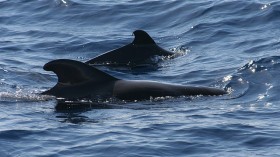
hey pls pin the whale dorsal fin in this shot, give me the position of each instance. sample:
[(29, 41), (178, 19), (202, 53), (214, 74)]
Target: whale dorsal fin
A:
[(72, 72), (142, 37)]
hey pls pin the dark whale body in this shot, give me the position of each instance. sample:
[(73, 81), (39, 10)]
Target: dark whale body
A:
[(140, 50), (78, 80)]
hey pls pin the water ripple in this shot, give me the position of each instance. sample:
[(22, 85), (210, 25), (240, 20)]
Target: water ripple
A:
[(225, 44)]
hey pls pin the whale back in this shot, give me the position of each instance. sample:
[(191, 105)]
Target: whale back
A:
[(142, 48), (78, 80)]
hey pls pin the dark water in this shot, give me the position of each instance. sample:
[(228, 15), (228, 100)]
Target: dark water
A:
[(225, 44)]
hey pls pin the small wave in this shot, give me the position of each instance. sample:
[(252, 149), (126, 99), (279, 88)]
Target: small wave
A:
[(267, 63), (255, 79), (178, 51), (65, 3), (236, 86), (261, 141), (82, 105), (23, 97)]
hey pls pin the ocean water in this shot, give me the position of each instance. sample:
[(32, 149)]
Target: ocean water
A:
[(225, 44)]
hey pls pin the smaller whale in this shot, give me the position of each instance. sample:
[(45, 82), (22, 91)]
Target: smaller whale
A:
[(140, 50), (77, 80)]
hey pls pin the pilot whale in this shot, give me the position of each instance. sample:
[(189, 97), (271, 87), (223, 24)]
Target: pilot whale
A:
[(140, 50), (78, 80)]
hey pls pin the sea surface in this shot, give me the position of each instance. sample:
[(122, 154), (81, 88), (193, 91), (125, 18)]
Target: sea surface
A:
[(229, 44)]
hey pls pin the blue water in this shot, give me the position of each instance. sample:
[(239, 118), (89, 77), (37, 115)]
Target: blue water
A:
[(225, 44)]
